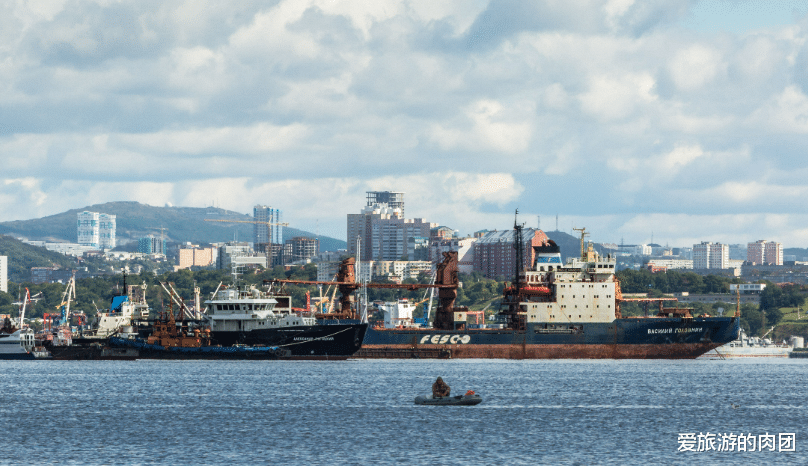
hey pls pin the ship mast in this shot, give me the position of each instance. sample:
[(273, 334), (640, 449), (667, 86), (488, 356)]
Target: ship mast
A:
[(520, 251), (584, 234)]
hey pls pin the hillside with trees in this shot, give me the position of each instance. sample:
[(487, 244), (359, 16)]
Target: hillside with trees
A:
[(135, 220)]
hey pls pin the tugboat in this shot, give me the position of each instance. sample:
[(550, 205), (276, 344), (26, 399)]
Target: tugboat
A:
[(246, 315)]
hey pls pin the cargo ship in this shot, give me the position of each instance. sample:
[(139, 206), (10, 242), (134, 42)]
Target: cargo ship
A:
[(552, 310)]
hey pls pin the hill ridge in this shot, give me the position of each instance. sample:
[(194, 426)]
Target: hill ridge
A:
[(135, 220)]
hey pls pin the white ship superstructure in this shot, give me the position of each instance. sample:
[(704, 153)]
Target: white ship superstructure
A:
[(244, 309), (398, 314), (121, 314), (578, 291), (20, 344)]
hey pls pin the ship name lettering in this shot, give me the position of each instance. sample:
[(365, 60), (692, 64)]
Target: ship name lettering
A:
[(444, 339), (654, 331)]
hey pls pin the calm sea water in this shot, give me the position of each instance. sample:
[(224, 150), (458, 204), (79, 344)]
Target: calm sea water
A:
[(362, 411)]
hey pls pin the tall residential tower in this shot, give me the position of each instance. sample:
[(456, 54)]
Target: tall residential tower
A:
[(96, 230)]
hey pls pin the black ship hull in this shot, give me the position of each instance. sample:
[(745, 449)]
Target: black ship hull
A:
[(314, 341)]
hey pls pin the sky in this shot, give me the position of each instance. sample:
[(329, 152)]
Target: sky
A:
[(665, 121)]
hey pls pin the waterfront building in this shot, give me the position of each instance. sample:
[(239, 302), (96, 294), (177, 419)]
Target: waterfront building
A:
[(764, 252)]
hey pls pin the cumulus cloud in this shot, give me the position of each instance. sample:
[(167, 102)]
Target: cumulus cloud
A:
[(614, 113)]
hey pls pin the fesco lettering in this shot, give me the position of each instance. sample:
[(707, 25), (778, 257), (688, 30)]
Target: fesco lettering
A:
[(445, 339)]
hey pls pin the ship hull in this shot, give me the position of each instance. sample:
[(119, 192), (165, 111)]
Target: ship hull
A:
[(749, 352), (11, 347), (16, 356), (658, 338), (316, 341)]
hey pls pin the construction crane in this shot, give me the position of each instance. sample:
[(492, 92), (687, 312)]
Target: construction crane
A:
[(68, 295)]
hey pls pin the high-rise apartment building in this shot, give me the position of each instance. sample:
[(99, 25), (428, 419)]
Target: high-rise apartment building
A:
[(96, 230), (394, 200), (4, 274), (361, 226), (301, 248), (268, 231), (707, 255), (764, 252), (151, 245), (382, 228)]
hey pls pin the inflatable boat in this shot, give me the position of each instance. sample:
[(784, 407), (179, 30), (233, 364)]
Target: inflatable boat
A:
[(458, 400)]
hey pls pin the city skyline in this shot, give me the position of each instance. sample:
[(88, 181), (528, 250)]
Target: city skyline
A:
[(681, 121)]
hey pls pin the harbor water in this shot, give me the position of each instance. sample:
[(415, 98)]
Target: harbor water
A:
[(362, 412)]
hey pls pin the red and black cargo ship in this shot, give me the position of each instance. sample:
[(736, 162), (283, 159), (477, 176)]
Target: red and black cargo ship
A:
[(553, 310)]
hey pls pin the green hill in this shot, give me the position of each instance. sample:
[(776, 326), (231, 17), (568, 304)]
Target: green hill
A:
[(135, 220), (23, 256)]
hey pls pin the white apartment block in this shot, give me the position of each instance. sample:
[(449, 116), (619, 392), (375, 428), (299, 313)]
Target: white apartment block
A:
[(748, 288), (4, 274), (707, 255), (671, 263), (764, 252), (96, 230)]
